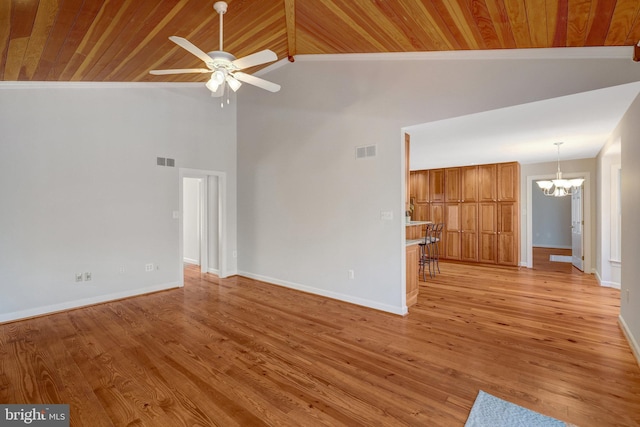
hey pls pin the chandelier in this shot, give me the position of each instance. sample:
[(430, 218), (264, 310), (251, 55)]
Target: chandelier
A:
[(559, 187)]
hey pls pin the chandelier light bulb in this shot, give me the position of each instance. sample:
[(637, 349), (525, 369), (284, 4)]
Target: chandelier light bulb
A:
[(559, 187)]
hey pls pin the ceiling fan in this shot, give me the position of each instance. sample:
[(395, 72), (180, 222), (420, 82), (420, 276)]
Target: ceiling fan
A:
[(223, 66)]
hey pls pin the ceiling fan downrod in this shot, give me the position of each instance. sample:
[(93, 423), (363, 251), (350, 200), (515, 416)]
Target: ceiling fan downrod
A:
[(221, 8)]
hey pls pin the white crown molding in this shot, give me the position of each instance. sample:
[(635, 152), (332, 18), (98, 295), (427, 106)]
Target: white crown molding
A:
[(591, 52)]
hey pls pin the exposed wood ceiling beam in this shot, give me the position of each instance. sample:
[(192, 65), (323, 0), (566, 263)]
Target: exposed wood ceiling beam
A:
[(290, 18)]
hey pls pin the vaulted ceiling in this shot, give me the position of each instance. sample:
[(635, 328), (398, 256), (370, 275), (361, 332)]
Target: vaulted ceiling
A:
[(121, 40)]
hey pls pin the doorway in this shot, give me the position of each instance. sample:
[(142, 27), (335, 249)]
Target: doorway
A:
[(202, 234), (192, 238), (562, 228)]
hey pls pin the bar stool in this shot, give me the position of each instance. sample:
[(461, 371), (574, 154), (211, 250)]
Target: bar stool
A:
[(428, 252)]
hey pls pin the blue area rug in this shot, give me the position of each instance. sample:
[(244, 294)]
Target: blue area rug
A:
[(490, 411)]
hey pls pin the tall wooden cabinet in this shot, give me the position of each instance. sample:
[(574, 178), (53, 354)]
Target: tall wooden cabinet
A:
[(479, 206)]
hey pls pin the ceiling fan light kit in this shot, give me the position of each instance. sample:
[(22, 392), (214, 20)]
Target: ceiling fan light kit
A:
[(559, 187), (223, 66)]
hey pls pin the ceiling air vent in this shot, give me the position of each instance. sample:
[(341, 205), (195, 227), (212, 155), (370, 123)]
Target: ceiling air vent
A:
[(365, 151)]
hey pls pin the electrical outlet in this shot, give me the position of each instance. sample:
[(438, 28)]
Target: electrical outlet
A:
[(352, 274), (79, 277), (148, 267), (121, 269), (87, 276), (235, 254)]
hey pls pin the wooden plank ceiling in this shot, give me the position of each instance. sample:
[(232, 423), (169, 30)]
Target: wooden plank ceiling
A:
[(121, 40)]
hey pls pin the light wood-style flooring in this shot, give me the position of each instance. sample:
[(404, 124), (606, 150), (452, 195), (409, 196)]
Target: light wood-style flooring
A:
[(541, 260), (238, 352)]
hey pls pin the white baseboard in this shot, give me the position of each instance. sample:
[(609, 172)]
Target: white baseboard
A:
[(605, 283), (191, 261), (635, 348), (69, 305), (214, 271), (333, 295)]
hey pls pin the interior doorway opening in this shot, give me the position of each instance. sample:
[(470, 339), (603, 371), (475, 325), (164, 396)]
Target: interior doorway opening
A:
[(558, 229), (202, 233)]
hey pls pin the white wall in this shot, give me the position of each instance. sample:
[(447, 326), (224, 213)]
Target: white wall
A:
[(214, 220), (309, 211), (551, 220), (608, 269), (81, 191), (629, 131), (191, 220)]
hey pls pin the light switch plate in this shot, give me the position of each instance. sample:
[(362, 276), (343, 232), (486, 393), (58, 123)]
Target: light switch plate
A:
[(386, 215)]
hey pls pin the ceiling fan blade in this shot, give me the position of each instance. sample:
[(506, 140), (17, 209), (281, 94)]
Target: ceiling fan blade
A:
[(180, 71), (257, 81), (254, 59), (187, 45)]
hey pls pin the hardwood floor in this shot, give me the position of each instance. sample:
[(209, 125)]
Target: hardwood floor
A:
[(241, 352), (541, 260)]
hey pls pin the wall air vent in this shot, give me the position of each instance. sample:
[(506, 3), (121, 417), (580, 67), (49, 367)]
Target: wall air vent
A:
[(365, 151)]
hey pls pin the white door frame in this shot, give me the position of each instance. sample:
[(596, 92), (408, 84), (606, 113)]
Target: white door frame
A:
[(577, 229), (206, 225), (586, 235)]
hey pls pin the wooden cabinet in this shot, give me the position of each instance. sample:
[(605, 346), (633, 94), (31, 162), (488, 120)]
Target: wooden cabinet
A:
[(436, 185), (469, 232), (461, 231), (508, 182), (488, 233), (508, 232), (420, 186), (479, 206), (487, 183), (452, 185), (437, 217), (413, 257), (420, 211), (451, 231), (469, 184)]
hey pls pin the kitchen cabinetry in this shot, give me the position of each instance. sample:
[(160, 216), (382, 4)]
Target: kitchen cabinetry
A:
[(488, 233), (413, 257), (487, 180), (452, 231), (436, 185), (461, 231), (508, 182), (508, 230), (420, 186), (469, 232), (469, 183), (452, 185), (479, 206)]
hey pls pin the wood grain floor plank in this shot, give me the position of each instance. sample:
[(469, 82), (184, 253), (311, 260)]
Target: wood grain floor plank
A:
[(238, 352)]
